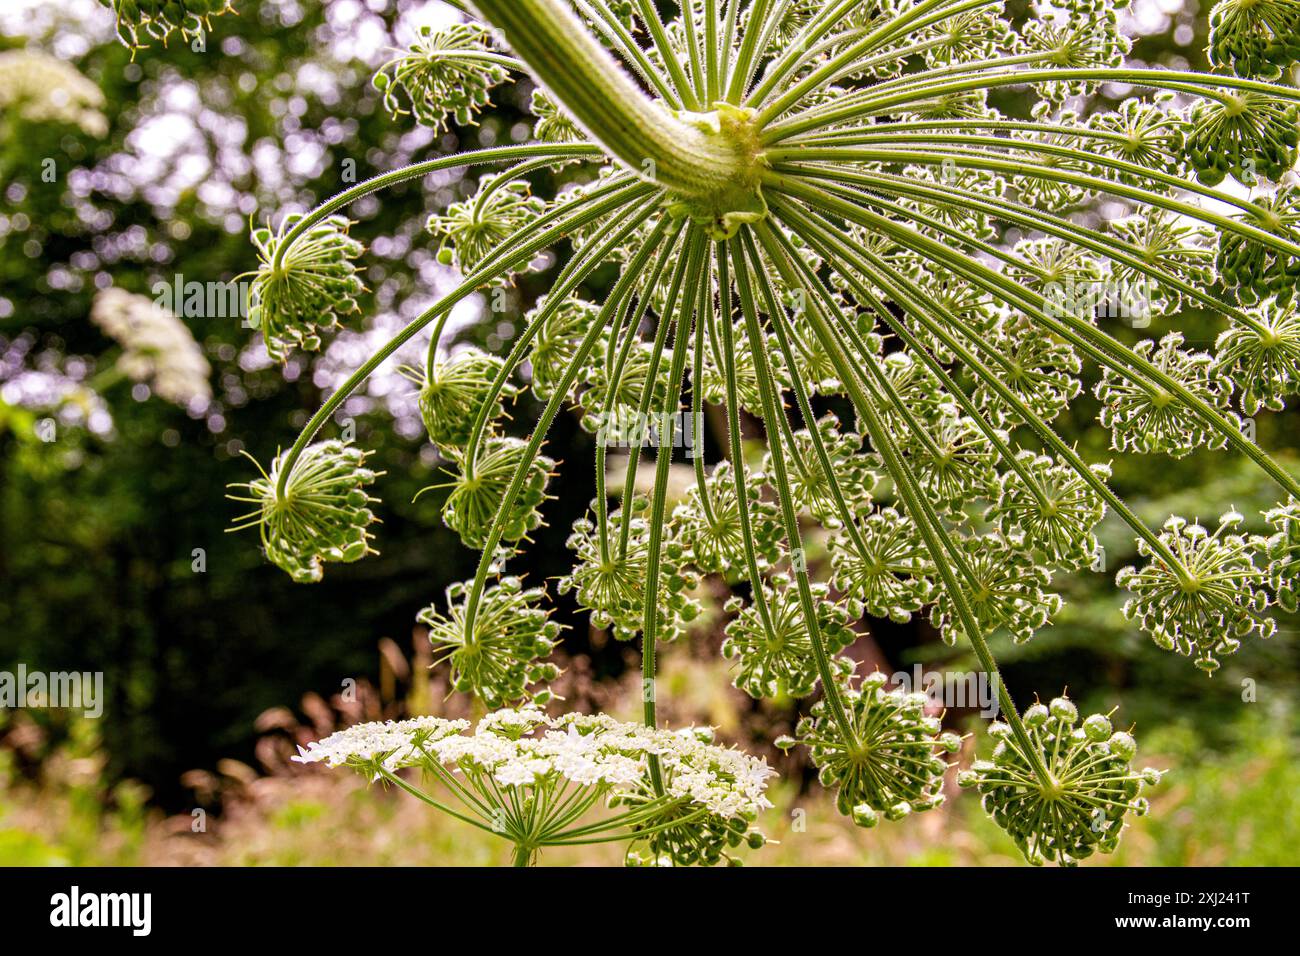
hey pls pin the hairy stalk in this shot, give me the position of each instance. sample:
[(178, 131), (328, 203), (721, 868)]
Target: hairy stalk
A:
[(500, 154), (1099, 346), (1054, 226), (772, 414), (599, 95), (821, 238), (927, 521), (442, 308), (695, 246), (553, 407), (854, 107)]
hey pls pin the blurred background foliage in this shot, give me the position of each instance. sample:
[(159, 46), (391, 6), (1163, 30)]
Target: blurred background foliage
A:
[(114, 555)]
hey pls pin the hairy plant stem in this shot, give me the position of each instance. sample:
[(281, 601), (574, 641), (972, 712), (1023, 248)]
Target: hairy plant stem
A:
[(1020, 167), (822, 239), (614, 375), (1101, 243), (695, 247), (871, 103), (581, 75), (500, 154), (1096, 344), (646, 398), (513, 255), (780, 252), (772, 414), (487, 558)]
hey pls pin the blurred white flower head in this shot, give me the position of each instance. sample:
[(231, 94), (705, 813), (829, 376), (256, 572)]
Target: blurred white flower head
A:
[(157, 347), (42, 89)]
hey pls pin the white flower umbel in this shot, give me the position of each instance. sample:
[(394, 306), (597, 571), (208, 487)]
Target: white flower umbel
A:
[(157, 347), (38, 88), (533, 779)]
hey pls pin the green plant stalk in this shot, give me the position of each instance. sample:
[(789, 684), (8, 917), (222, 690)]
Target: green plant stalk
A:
[(562, 54), (650, 17), (440, 309), (735, 449), (664, 455), (614, 371), (801, 151), (748, 48), (928, 523), (794, 54), (646, 397), (815, 231), (618, 37), (486, 559), (702, 308), (1200, 84), (914, 19), (1019, 167), (586, 260), (804, 403), (1100, 243), (771, 414), (821, 239), (500, 154), (1100, 347)]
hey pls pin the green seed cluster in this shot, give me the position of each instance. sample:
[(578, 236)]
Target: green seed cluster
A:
[(1244, 135), (553, 124), (711, 537), (471, 230), (556, 346), (139, 21), (772, 644), (1147, 419), (891, 765), (322, 515), (1008, 591), (1203, 609), (453, 394), (501, 656), (853, 472), (1055, 509), (442, 74), (610, 579), (1283, 551), (1080, 809), (890, 571), (315, 282), (685, 836), (1256, 38), (1254, 271), (612, 406), (1263, 359), (479, 487)]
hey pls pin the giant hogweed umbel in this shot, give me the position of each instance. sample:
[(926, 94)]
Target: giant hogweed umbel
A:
[(804, 198)]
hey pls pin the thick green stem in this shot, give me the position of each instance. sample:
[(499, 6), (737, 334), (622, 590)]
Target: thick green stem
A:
[(584, 78)]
